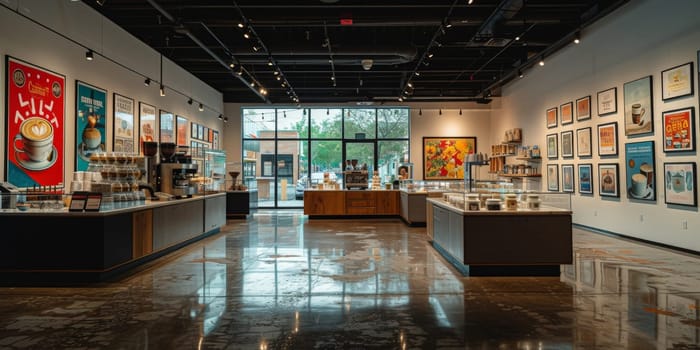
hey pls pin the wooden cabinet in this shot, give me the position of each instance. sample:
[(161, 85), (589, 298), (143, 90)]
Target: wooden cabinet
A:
[(324, 202), (360, 203), (387, 203)]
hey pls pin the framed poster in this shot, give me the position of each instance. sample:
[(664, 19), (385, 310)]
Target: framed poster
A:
[(607, 139), (552, 177), (567, 113), (193, 130), (90, 122), (200, 131), (609, 180), (34, 122), (211, 135), (567, 144), (123, 124), (443, 157), (567, 177), (677, 81), (639, 160), (639, 110), (583, 108), (583, 142), (167, 127), (552, 146), (181, 130), (585, 179), (680, 183), (679, 129), (206, 134), (215, 140), (607, 101), (552, 117), (147, 124)]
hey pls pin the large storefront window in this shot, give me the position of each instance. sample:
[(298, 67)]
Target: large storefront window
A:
[(286, 150)]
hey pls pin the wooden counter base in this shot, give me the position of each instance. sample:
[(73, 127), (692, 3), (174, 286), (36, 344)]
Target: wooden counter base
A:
[(356, 203)]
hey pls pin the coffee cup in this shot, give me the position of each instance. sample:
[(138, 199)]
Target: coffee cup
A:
[(678, 182), (35, 139), (648, 171), (639, 184), (92, 138), (637, 113)]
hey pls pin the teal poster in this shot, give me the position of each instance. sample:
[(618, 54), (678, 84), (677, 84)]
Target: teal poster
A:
[(90, 123), (641, 178)]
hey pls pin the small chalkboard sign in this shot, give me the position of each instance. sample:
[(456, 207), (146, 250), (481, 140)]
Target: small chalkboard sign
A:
[(94, 199), (78, 200)]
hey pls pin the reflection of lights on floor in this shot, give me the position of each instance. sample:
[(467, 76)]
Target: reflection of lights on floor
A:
[(402, 340), (263, 344)]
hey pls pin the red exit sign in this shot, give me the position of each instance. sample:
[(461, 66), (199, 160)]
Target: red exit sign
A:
[(346, 21)]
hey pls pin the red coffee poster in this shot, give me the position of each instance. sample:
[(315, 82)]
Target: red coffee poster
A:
[(34, 118)]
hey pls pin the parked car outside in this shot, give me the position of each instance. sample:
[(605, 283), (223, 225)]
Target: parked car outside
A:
[(316, 178)]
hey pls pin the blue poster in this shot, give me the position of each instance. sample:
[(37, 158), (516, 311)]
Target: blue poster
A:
[(584, 178), (640, 169), (90, 123)]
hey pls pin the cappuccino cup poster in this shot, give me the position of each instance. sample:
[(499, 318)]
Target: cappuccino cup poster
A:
[(90, 123), (639, 112), (639, 161), (34, 122)]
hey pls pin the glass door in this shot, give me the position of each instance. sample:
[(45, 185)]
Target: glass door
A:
[(361, 156)]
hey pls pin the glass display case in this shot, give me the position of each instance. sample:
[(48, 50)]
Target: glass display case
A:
[(507, 198), (212, 177)]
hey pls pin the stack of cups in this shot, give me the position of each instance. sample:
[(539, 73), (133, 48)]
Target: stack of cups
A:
[(82, 180)]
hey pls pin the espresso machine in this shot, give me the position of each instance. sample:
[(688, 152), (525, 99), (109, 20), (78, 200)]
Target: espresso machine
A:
[(175, 172)]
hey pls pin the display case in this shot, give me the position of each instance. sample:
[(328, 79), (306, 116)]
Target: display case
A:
[(212, 177)]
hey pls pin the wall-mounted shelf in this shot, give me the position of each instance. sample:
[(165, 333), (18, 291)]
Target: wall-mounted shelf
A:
[(527, 159), (519, 175)]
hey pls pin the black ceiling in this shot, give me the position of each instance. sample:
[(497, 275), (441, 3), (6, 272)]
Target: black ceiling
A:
[(437, 50)]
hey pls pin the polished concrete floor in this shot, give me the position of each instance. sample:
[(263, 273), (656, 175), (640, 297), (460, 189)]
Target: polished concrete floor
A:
[(280, 281)]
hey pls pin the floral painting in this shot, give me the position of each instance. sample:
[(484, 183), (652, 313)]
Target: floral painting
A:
[(443, 157)]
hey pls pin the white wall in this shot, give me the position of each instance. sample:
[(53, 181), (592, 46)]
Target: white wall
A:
[(474, 121), (641, 38), (120, 65)]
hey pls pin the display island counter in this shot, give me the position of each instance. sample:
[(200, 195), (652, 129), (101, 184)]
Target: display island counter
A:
[(59, 247), (523, 242), (338, 203)]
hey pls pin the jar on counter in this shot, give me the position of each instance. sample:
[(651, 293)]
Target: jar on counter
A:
[(511, 201), (533, 201), (493, 204)]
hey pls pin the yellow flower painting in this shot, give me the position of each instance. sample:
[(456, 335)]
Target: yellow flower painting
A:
[(443, 158)]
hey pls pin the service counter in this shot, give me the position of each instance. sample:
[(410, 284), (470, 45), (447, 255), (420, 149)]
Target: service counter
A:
[(49, 247), (503, 242), (335, 203)]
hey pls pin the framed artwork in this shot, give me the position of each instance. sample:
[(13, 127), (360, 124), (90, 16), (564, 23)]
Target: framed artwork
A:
[(639, 110), (123, 124), (567, 113), (639, 160), (167, 127), (34, 122), (607, 139), (552, 177), (443, 156), (181, 130), (585, 179), (211, 135), (583, 142), (90, 122), (567, 144), (552, 117), (677, 81), (609, 180), (193, 131), (607, 101), (679, 129), (680, 183), (567, 177), (205, 136), (200, 132), (552, 146), (583, 108), (147, 124), (215, 140)]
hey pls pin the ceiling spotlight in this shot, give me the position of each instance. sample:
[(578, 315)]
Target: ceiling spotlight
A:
[(225, 119), (201, 107), (541, 62), (269, 61), (448, 24), (278, 78), (517, 38), (520, 73), (276, 72), (420, 111), (469, 2), (232, 64), (577, 38), (241, 25), (400, 99), (100, 2), (147, 82), (410, 84), (417, 73), (89, 55), (430, 55), (240, 70), (246, 34), (440, 111), (162, 90), (189, 102), (460, 111), (256, 48), (221, 117)]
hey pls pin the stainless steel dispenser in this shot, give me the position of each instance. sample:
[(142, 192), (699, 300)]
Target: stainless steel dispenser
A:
[(175, 179)]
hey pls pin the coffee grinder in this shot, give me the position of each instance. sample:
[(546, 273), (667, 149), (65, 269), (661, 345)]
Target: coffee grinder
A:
[(150, 152)]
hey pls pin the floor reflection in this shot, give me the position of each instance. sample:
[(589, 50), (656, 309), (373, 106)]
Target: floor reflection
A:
[(280, 281)]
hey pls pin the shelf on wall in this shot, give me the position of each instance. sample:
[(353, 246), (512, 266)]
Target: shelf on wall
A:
[(519, 175), (529, 159)]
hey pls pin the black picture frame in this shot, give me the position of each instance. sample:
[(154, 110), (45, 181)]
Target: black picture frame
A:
[(639, 106), (607, 139), (552, 117), (680, 183), (679, 130), (552, 146), (584, 147), (607, 101), (583, 108), (609, 180), (566, 112), (567, 144), (677, 82), (553, 177), (567, 178), (585, 178)]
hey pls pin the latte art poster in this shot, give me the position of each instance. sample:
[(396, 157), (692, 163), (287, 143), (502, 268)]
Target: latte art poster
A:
[(34, 125), (90, 108)]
